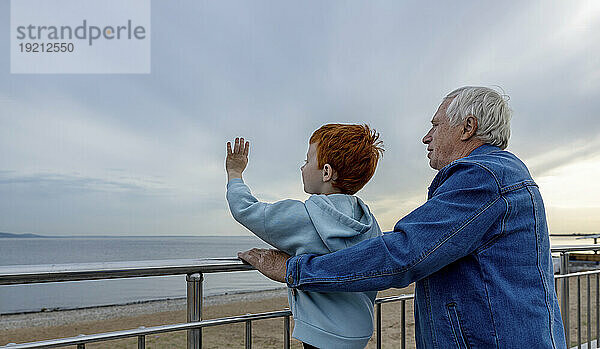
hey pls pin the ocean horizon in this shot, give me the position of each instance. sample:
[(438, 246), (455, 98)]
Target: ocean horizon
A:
[(86, 249)]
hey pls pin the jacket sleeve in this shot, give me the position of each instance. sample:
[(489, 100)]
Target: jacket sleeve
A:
[(451, 224), (284, 225)]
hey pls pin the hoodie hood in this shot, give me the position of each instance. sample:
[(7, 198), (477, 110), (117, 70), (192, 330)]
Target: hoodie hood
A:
[(340, 219)]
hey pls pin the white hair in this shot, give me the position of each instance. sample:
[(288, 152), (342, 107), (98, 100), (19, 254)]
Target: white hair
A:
[(488, 106)]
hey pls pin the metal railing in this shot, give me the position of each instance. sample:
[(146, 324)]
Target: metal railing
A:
[(195, 268), (565, 311), (564, 293), (378, 302)]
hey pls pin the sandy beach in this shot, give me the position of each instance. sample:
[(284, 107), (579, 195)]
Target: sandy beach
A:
[(266, 333), (21, 328)]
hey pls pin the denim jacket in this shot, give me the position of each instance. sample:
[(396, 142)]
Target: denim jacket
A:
[(478, 250)]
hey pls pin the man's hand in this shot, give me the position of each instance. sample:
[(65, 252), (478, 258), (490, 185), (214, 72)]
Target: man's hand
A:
[(270, 263), (237, 159)]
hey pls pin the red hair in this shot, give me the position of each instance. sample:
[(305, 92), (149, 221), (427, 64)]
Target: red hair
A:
[(352, 151)]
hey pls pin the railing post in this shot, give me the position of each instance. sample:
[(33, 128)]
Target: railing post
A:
[(286, 332), (597, 310), (248, 341), (194, 308), (578, 311), (403, 323), (564, 295), (589, 312), (378, 322)]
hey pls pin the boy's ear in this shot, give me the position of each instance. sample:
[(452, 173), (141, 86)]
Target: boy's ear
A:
[(329, 173)]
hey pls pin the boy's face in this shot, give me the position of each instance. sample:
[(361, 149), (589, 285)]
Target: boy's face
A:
[(312, 176)]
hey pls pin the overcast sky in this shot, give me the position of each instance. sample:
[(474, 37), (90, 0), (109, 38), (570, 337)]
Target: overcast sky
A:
[(144, 154)]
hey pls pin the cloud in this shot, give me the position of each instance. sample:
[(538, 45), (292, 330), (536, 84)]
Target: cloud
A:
[(74, 204), (572, 185), (55, 183), (575, 152), (274, 72)]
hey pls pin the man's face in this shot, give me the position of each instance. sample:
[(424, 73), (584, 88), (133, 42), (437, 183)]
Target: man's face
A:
[(443, 139)]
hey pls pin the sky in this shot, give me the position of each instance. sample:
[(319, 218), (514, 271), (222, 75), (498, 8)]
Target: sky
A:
[(132, 154)]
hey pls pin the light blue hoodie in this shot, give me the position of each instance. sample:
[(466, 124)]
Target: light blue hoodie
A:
[(322, 224)]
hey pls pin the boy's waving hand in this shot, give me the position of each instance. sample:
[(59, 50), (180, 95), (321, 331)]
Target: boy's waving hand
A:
[(237, 159)]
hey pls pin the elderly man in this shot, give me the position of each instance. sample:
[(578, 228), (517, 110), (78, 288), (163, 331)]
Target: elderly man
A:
[(478, 249)]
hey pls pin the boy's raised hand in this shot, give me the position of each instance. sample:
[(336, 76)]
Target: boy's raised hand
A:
[(237, 158)]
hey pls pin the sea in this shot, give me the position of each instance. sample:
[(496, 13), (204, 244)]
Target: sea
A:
[(83, 294)]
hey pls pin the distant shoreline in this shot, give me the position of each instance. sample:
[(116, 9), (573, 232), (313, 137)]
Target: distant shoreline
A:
[(24, 235)]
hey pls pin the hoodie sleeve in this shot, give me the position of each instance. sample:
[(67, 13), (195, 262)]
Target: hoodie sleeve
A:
[(284, 225)]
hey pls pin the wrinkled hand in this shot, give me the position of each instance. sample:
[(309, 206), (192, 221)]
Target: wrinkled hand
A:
[(270, 263), (237, 159)]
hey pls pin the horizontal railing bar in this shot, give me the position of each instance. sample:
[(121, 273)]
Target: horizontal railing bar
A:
[(574, 248), (27, 274), (394, 298), (82, 339), (581, 273)]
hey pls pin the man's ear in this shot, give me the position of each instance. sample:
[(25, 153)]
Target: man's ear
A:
[(329, 173), (469, 128)]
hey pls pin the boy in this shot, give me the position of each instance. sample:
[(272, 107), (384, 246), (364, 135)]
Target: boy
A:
[(341, 159)]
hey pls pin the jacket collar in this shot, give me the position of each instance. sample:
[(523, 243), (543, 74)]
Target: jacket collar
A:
[(484, 149), (481, 150)]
